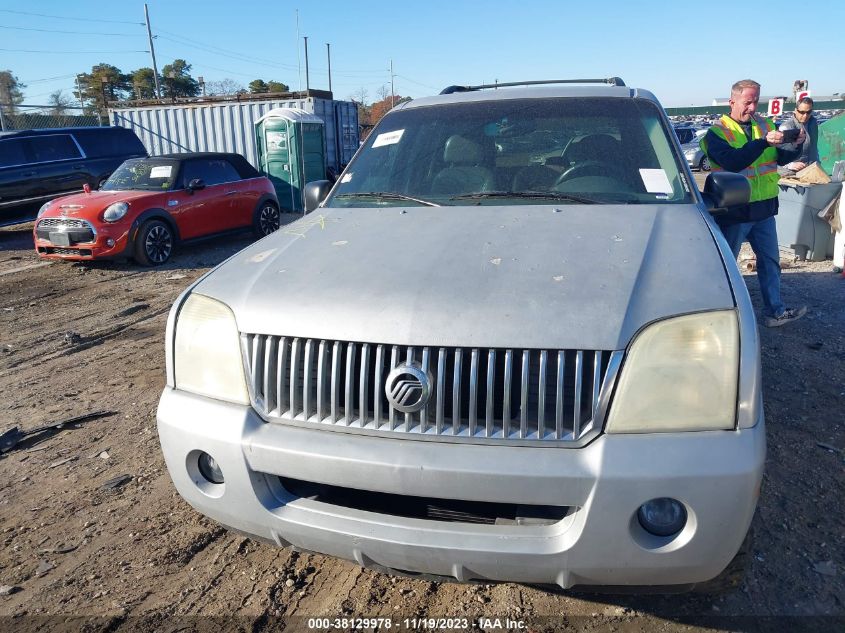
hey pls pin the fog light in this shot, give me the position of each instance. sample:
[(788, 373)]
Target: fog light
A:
[(662, 517), (110, 242), (209, 468)]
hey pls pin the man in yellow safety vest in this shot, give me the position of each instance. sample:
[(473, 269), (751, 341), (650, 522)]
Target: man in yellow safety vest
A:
[(746, 143)]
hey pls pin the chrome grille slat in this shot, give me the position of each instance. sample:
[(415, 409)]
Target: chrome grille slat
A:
[(473, 392), (541, 396), (426, 360), (489, 422), (364, 381), (441, 391), (294, 377), (506, 399), (349, 373), (321, 381), (523, 407), (391, 412), (335, 385), (456, 394), (378, 386), (516, 396), (306, 379), (579, 375)]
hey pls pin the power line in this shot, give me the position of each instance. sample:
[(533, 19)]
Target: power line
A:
[(23, 50), (22, 28), (234, 58), (65, 17), (38, 81), (211, 47)]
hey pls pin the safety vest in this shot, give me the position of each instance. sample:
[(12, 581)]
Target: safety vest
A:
[(763, 172)]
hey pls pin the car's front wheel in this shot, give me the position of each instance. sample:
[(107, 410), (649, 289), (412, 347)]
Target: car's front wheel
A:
[(704, 164), (153, 243), (266, 220)]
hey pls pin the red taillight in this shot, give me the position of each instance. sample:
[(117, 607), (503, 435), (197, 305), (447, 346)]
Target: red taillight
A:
[(86, 188)]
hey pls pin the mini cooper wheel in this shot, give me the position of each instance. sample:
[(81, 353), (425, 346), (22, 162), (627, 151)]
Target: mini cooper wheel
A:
[(704, 164), (153, 243), (267, 219)]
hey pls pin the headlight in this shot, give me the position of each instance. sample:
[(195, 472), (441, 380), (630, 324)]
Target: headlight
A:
[(680, 374), (206, 352), (115, 211), (690, 153), (43, 209)]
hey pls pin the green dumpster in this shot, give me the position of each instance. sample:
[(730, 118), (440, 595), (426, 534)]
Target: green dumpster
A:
[(291, 152)]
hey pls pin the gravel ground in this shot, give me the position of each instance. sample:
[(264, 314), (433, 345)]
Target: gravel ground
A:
[(93, 535)]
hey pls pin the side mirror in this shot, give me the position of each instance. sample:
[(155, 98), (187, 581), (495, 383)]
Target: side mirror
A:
[(725, 189), (195, 185), (315, 192)]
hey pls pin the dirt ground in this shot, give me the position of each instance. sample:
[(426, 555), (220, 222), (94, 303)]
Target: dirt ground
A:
[(81, 549)]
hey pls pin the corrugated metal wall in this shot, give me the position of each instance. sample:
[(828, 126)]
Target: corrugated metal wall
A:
[(230, 126)]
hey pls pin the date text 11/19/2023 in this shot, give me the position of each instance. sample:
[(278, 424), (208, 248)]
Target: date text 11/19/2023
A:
[(414, 624)]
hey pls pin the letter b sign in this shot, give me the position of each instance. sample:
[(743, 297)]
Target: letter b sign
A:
[(776, 107)]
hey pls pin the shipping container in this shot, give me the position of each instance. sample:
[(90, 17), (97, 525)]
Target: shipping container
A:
[(228, 125)]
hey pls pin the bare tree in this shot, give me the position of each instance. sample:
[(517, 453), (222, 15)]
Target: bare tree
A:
[(59, 103), (360, 96), (383, 92), (224, 87)]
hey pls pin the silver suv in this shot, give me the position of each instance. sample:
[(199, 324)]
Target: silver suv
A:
[(509, 344)]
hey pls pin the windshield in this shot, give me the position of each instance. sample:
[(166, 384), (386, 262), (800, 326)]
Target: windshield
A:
[(144, 174), (517, 151)]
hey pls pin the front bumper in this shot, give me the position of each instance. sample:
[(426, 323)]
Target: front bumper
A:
[(99, 248), (715, 474)]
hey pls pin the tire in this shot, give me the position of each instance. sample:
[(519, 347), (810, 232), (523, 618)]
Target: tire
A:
[(153, 243), (704, 164), (733, 575), (266, 220)]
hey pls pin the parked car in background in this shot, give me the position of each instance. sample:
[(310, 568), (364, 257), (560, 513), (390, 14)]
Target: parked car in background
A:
[(484, 362), (38, 165), (148, 205), (696, 158)]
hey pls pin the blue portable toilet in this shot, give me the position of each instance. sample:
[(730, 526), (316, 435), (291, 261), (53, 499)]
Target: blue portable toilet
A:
[(291, 152)]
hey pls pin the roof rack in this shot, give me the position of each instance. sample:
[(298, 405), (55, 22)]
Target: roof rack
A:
[(613, 81)]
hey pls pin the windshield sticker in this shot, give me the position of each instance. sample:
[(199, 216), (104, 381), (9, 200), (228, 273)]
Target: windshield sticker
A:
[(388, 138), (346, 178), (161, 171), (655, 181)]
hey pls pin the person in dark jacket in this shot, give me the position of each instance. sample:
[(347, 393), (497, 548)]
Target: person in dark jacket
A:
[(808, 151), (746, 143)]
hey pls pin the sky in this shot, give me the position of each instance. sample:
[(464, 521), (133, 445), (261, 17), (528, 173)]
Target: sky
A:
[(686, 53)]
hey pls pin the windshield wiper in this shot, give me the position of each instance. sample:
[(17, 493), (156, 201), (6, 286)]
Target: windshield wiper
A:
[(386, 195), (548, 195)]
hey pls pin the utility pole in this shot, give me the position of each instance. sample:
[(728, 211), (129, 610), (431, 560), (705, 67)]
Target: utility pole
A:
[(392, 94), (152, 51), (307, 81), (298, 54), (329, 54), (79, 92)]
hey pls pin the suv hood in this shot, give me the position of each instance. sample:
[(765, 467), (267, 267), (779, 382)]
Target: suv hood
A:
[(572, 276)]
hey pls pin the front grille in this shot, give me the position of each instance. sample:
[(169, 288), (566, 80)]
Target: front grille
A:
[(70, 223), (487, 395), (78, 231), (52, 250)]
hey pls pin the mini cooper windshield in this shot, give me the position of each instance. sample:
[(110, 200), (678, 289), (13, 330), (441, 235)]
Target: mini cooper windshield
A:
[(143, 174), (517, 151)]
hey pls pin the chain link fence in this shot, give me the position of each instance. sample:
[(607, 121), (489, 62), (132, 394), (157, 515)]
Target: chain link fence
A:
[(30, 117)]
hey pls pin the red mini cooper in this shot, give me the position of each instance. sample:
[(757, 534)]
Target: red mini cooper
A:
[(149, 205)]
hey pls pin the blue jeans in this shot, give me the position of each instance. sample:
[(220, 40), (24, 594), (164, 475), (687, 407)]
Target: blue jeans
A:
[(763, 237)]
